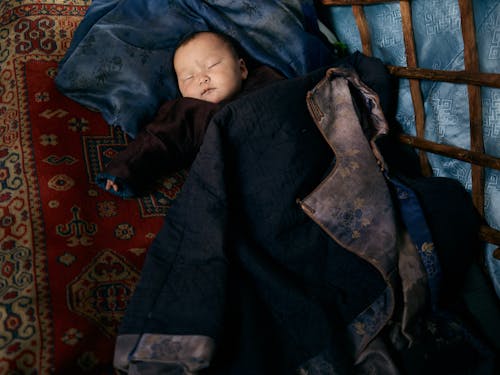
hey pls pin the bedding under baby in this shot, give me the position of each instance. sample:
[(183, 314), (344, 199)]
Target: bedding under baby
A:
[(119, 61)]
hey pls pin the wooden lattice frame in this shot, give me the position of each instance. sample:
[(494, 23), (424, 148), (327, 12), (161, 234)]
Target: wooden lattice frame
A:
[(471, 76)]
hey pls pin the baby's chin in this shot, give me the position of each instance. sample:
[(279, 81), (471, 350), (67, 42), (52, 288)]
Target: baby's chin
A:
[(214, 100), (213, 97)]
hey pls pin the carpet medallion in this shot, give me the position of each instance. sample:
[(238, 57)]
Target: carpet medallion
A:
[(70, 253)]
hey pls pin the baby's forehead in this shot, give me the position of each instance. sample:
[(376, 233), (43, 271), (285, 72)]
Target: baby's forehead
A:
[(207, 39)]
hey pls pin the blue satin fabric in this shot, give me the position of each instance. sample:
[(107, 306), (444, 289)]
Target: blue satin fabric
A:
[(439, 44), (414, 219), (119, 62)]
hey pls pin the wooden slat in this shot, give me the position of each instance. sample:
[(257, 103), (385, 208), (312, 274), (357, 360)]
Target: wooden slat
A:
[(471, 64), (473, 157), (416, 93), (489, 234), (364, 30), (453, 76)]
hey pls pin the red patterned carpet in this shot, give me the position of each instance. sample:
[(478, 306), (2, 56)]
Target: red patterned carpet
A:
[(70, 253)]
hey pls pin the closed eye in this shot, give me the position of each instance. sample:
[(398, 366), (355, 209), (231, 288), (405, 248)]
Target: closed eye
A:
[(215, 64), (187, 78)]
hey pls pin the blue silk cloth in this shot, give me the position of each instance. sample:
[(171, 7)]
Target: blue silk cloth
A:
[(119, 62)]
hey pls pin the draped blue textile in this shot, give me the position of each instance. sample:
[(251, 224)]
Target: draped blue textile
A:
[(439, 45), (415, 222), (450, 326), (119, 62)]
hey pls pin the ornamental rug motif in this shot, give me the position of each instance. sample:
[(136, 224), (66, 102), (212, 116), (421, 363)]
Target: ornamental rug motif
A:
[(70, 253)]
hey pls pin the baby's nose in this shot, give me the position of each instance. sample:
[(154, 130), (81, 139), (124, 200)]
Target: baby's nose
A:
[(204, 79)]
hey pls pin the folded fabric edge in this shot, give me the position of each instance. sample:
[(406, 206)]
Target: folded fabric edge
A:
[(191, 352)]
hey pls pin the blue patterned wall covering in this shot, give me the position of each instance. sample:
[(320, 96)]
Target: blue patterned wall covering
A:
[(439, 44)]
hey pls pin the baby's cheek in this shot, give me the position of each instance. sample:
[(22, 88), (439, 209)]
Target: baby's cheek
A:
[(184, 90)]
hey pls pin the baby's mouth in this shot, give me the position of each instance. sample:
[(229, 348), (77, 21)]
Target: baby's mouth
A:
[(207, 91)]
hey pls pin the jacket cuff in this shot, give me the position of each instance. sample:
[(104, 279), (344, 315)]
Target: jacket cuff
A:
[(124, 190)]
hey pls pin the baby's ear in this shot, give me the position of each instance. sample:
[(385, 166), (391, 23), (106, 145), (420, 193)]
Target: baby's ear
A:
[(243, 69)]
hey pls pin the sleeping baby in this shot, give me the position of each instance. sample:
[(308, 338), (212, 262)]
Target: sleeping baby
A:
[(210, 72)]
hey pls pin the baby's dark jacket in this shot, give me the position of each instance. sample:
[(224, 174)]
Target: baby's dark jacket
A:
[(171, 141)]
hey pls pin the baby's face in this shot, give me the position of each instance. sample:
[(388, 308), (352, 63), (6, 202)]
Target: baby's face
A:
[(207, 69)]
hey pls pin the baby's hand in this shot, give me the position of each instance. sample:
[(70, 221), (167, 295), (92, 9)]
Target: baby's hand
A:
[(111, 184)]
